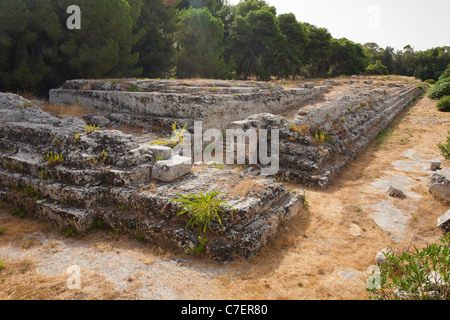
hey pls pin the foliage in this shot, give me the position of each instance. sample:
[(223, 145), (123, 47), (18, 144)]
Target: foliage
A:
[(445, 148), (184, 38), (377, 69), (203, 209), (444, 104), (199, 40), (53, 159), (440, 89), (430, 81), (18, 212), (2, 230), (91, 128), (420, 275)]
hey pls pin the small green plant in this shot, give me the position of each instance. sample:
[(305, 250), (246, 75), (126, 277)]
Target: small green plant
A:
[(201, 247), (18, 212), (420, 275), (68, 232), (444, 104), (1, 265), (104, 157), (159, 158), (25, 105), (383, 136), (122, 208), (76, 137), (44, 175), (54, 159), (203, 209), (445, 148), (133, 88), (114, 234), (430, 81), (2, 230), (306, 203), (358, 209), (98, 224), (31, 192), (91, 128), (13, 166)]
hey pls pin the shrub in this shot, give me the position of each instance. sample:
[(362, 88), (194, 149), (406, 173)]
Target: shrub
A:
[(440, 89), (420, 275), (203, 209), (444, 104), (446, 73), (377, 69), (445, 148), (430, 81)]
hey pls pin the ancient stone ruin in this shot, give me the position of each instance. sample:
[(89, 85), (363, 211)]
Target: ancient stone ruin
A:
[(74, 173)]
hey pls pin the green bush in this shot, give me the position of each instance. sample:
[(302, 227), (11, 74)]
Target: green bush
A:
[(202, 208), (446, 73), (430, 81), (445, 148), (444, 104), (440, 89), (420, 275)]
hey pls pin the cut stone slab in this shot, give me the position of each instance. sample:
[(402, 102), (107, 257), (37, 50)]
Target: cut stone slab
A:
[(390, 219), (435, 166), (444, 222), (172, 169), (161, 152), (439, 184), (396, 193), (397, 181)]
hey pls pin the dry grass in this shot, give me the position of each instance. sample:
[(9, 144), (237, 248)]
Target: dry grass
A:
[(75, 110), (303, 262), (244, 187)]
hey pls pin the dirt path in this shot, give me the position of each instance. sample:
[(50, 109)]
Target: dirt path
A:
[(324, 254)]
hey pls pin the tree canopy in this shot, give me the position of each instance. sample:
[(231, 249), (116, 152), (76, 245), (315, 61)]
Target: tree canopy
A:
[(184, 38)]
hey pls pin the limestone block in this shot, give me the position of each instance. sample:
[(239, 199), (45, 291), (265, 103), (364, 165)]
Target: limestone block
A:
[(160, 152), (444, 222), (439, 184)]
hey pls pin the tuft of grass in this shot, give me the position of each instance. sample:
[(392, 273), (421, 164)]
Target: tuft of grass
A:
[(53, 159), (2, 230), (68, 232), (18, 212), (445, 148), (91, 128), (383, 136)]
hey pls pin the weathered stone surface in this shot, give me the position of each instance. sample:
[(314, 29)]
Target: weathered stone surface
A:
[(216, 103), (444, 222), (381, 256), (439, 184), (161, 152), (118, 188), (172, 169), (435, 166), (323, 138), (396, 193)]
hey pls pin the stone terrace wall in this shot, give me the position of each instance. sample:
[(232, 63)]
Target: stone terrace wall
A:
[(117, 187), (216, 103), (349, 118)]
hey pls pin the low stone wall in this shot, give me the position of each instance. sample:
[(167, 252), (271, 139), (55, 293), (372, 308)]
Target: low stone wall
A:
[(54, 169), (323, 138), (216, 103)]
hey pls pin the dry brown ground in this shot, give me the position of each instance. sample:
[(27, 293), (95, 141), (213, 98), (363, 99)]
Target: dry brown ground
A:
[(306, 261)]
